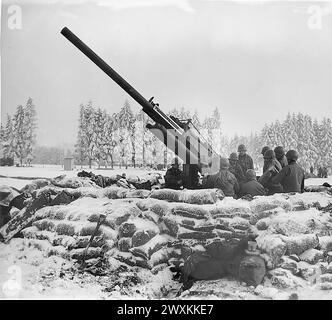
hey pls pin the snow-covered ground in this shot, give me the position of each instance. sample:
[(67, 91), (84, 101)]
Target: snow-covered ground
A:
[(12, 176), (18, 177)]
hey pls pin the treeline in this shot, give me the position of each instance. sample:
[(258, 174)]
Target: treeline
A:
[(18, 135), (122, 138)]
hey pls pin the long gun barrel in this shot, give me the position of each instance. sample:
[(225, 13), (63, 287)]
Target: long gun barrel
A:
[(155, 113), (181, 138)]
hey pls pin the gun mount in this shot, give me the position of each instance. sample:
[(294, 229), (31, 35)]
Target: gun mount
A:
[(179, 136)]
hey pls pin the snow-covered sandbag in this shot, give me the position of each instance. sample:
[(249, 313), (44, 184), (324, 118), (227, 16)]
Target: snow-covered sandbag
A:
[(90, 253), (34, 233), (184, 233), (65, 241), (230, 211), (288, 227), (124, 244), (300, 243), (325, 243), (224, 234), (145, 251), (72, 182), (289, 264), (311, 256), (190, 211), (263, 224), (166, 194), (119, 213), (83, 241), (272, 245), (271, 213), (171, 225), (159, 207), (59, 251), (34, 185), (141, 237), (284, 279), (239, 223), (269, 203), (139, 193), (202, 196)]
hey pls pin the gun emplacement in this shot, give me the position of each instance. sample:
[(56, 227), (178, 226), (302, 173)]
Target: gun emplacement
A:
[(180, 137)]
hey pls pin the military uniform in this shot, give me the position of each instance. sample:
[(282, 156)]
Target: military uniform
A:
[(267, 178), (283, 161), (253, 187), (246, 162), (291, 178), (227, 182), (236, 169), (173, 178)]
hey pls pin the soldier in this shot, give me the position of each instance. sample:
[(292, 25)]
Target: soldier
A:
[(223, 180), (235, 168), (245, 160), (264, 149), (270, 162), (320, 172), (174, 176), (280, 155), (252, 186), (291, 177)]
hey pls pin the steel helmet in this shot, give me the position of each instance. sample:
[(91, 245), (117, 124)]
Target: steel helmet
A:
[(251, 174), (7, 194), (233, 156), (269, 155), (292, 155), (279, 151), (224, 163), (264, 149), (241, 147)]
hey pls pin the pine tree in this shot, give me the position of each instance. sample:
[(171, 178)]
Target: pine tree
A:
[(20, 134), (80, 147), (30, 123)]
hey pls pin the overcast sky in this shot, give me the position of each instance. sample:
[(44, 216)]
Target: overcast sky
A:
[(254, 61)]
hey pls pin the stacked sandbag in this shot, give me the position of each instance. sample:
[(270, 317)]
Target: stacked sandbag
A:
[(202, 196)]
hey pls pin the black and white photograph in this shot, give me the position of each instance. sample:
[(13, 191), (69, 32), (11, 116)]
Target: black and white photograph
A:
[(166, 150)]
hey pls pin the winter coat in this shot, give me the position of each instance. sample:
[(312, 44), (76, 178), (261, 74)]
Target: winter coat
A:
[(173, 178), (266, 178), (252, 187), (291, 178), (227, 182), (283, 161), (236, 169), (245, 162)]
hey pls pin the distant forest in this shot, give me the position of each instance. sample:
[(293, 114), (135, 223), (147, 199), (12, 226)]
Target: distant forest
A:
[(122, 138)]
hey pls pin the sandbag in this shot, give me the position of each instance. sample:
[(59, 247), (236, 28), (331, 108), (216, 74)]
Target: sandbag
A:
[(190, 211), (273, 245), (202, 196), (166, 194), (184, 233), (145, 251), (299, 244)]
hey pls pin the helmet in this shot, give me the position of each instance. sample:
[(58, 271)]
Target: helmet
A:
[(251, 174), (7, 194), (279, 151), (175, 161), (241, 147), (269, 154), (233, 156), (265, 149), (292, 155), (224, 163)]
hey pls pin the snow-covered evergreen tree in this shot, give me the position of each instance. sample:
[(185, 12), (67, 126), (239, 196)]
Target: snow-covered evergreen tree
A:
[(30, 119), (20, 134)]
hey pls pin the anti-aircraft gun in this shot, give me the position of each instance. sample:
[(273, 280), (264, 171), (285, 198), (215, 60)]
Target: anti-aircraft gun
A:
[(180, 136)]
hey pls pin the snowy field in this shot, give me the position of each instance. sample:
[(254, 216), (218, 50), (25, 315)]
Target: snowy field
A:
[(19, 176)]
